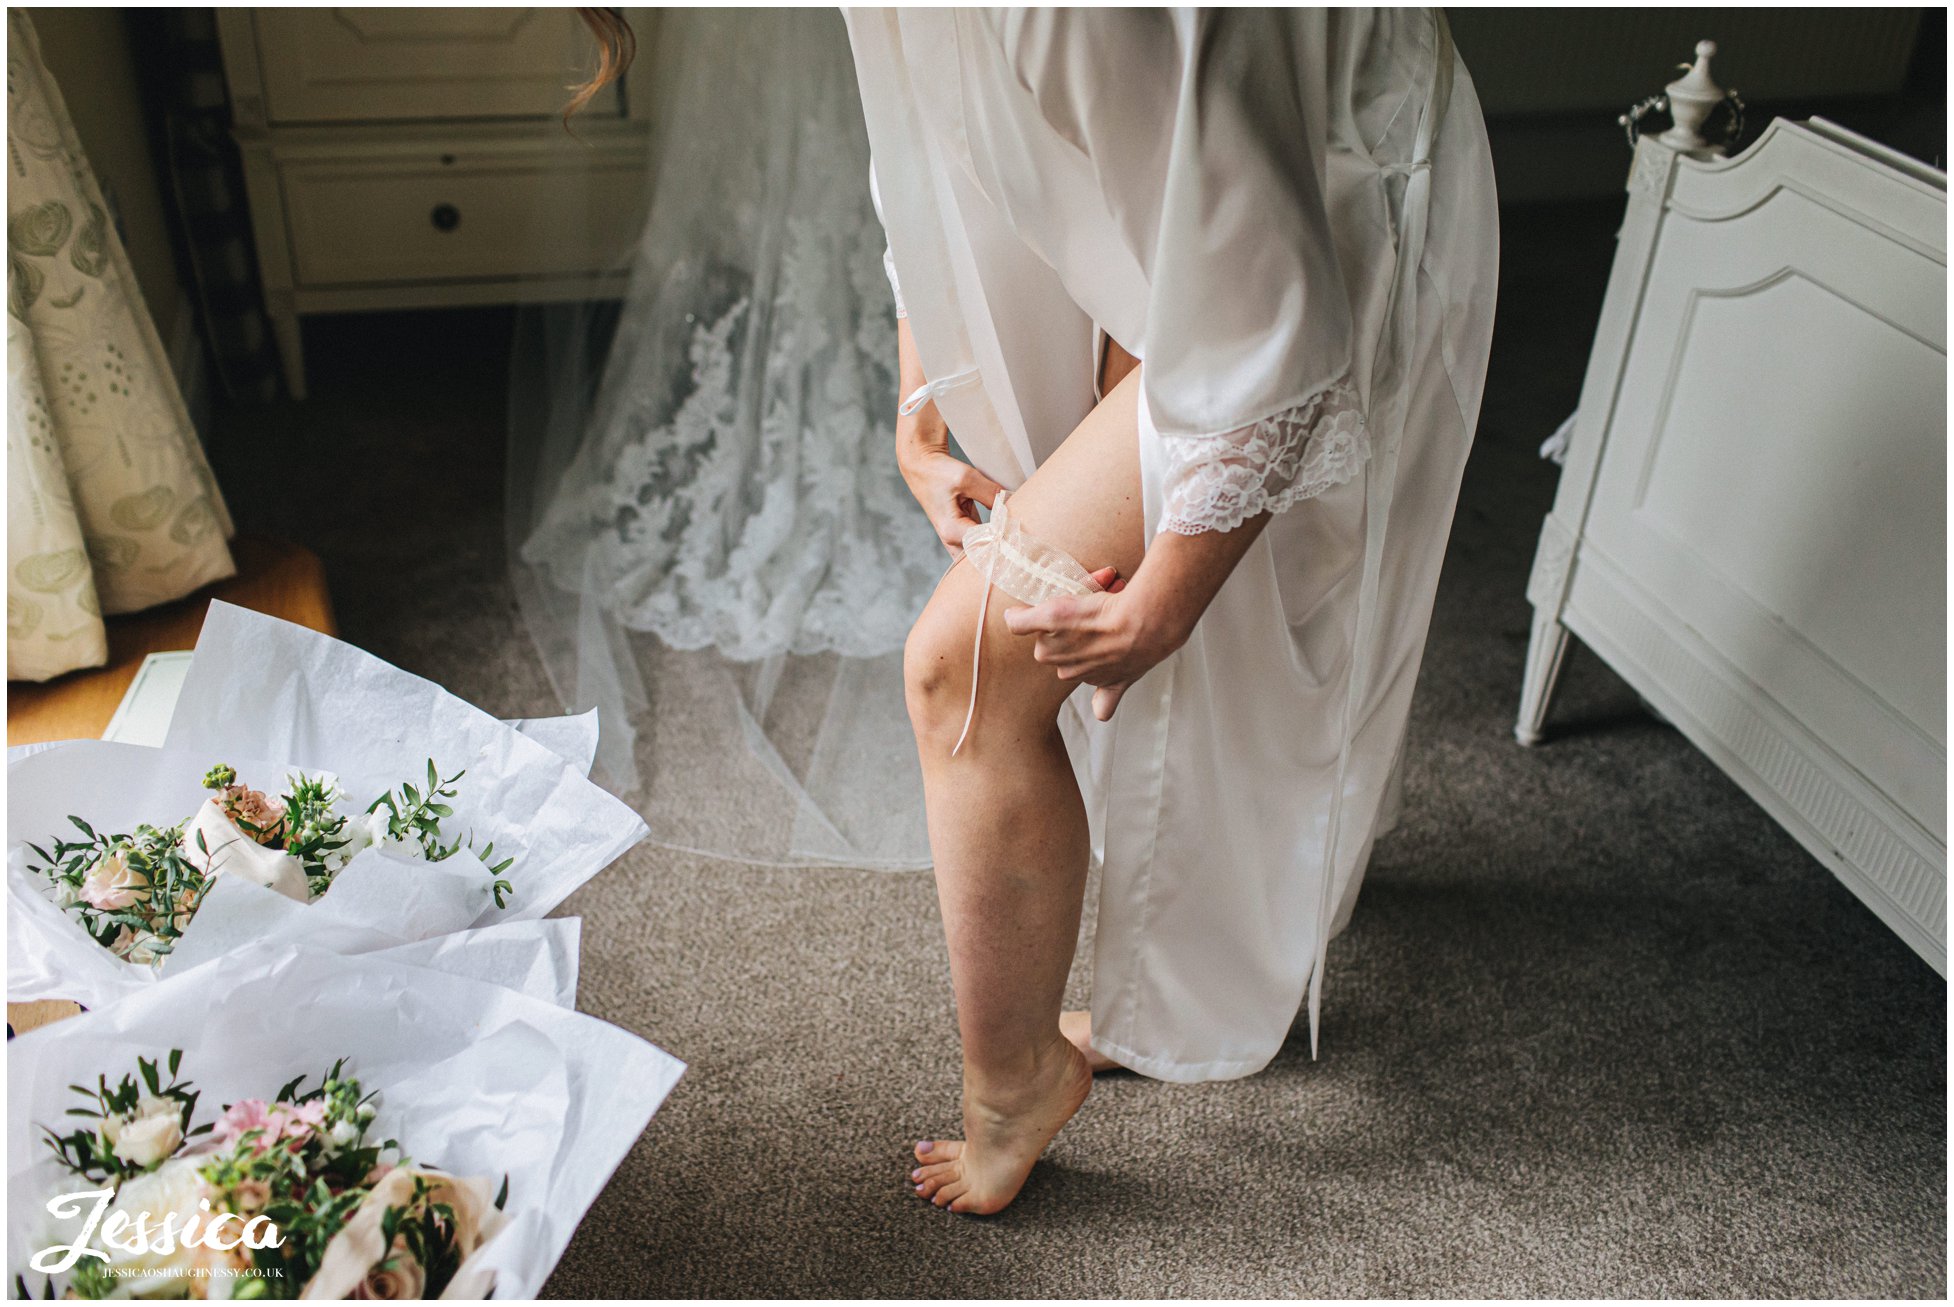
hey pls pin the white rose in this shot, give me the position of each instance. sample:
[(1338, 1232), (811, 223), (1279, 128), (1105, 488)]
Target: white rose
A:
[(113, 884), (380, 836), (137, 946), (357, 836), (148, 1140), (146, 1106), (344, 1133), (233, 853), (174, 1188)]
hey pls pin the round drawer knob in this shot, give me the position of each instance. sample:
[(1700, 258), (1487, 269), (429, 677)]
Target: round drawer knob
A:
[(446, 217)]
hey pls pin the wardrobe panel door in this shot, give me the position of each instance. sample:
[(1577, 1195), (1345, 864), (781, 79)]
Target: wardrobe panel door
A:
[(371, 64)]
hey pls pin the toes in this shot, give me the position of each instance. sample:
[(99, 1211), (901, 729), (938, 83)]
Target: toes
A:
[(940, 1150), (930, 1184), (947, 1195)]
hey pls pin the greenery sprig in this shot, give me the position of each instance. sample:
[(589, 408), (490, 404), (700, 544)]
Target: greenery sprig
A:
[(415, 817), (88, 1153), (313, 829)]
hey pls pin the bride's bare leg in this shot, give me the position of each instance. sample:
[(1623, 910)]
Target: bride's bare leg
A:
[(1007, 824)]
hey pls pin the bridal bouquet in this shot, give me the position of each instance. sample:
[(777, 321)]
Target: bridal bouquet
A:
[(281, 1198), (326, 824), (452, 1149), (135, 892)]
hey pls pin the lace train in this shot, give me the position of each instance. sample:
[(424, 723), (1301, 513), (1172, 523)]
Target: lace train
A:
[(786, 531)]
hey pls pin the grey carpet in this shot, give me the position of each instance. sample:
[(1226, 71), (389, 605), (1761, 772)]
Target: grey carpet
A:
[(1599, 1026)]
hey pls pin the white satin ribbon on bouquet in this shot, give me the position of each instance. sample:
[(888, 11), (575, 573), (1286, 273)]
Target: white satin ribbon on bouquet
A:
[(1021, 565)]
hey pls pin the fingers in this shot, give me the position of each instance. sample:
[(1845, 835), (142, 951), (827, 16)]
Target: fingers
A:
[(954, 522), (975, 485), (1109, 580), (1106, 699)]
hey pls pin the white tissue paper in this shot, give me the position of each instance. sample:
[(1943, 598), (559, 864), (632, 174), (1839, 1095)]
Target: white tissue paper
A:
[(572, 738), (475, 1078), (325, 708), (265, 688)]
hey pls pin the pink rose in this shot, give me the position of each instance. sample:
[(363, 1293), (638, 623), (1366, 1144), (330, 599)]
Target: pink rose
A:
[(279, 1123), (241, 1117), (217, 846), (398, 1278), (303, 1121), (113, 884), (262, 818)]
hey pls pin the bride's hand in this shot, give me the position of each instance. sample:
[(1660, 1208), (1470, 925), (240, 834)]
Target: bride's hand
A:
[(1110, 639), (949, 490)]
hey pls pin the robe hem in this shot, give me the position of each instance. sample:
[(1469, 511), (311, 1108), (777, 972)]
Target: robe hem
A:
[(1183, 1073)]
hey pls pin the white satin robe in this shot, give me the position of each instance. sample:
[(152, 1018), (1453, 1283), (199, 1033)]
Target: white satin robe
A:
[(1228, 195)]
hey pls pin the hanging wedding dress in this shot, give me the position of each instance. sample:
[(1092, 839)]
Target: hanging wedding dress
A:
[(710, 538), (111, 507), (1288, 216)]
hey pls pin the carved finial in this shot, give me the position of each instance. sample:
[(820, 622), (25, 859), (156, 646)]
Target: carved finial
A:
[(1691, 98)]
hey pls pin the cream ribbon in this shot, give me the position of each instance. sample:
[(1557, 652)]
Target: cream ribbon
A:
[(929, 391), (1021, 565)]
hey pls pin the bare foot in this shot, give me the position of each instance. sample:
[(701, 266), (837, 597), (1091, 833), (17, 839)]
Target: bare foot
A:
[(1007, 1130), (1077, 1029)]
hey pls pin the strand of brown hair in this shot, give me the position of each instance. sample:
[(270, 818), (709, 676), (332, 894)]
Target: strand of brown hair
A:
[(617, 46)]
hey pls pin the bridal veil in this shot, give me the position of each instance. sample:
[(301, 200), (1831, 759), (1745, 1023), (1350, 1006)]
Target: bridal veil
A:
[(708, 535)]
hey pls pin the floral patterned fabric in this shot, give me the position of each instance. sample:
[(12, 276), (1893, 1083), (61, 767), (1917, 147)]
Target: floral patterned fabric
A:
[(110, 505)]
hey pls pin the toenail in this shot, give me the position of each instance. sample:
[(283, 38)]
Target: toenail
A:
[(916, 1174), (924, 1144)]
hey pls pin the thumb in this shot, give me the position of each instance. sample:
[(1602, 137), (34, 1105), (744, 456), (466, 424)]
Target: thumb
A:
[(1106, 699), (1035, 619)]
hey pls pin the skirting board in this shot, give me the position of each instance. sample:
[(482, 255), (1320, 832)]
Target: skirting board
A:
[(1884, 857)]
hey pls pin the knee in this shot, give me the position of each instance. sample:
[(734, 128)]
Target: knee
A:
[(936, 666)]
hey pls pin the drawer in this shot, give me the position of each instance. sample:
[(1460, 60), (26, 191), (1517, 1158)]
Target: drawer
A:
[(364, 222), (326, 65)]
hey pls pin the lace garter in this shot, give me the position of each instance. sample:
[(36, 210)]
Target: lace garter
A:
[(1028, 569)]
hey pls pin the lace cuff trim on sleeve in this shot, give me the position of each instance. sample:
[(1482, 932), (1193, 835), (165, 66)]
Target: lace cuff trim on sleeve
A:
[(1215, 483)]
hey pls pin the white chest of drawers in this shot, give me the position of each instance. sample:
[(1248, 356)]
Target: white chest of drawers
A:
[(416, 158)]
